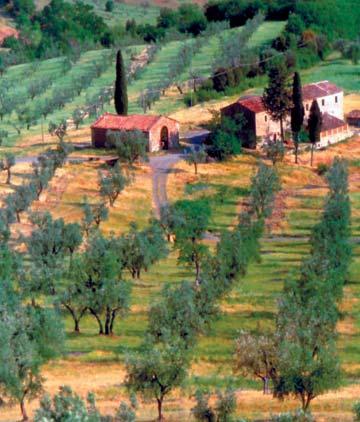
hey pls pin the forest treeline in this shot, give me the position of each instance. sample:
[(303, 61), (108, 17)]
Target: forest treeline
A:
[(62, 27)]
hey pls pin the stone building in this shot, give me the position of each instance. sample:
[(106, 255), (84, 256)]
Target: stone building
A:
[(353, 118), (331, 103), (162, 132)]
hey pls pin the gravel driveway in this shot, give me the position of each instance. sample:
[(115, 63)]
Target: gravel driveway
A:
[(161, 167)]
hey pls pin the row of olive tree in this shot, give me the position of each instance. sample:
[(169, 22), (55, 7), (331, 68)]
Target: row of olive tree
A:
[(186, 311), (300, 357)]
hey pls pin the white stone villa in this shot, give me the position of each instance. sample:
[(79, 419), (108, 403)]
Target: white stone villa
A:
[(331, 102)]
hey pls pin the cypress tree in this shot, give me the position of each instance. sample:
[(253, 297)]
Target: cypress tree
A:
[(297, 112), (120, 97), (276, 97), (314, 126)]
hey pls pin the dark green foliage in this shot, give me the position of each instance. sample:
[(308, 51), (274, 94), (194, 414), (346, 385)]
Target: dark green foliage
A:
[(297, 112), (226, 138), (314, 126), (191, 19), (277, 97), (109, 6), (120, 95), (59, 28), (130, 146)]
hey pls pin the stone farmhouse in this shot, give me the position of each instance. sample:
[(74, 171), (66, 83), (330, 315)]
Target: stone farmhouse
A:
[(162, 132), (331, 103)]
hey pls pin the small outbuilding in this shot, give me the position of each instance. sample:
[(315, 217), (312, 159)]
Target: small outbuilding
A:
[(333, 130), (162, 132), (353, 118)]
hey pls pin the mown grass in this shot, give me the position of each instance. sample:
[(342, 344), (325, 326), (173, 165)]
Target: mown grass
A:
[(338, 71), (122, 12)]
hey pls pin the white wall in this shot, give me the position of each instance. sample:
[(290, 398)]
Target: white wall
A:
[(333, 104)]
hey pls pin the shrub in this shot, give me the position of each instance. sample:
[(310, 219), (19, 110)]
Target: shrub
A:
[(109, 6), (322, 169), (356, 410), (297, 416)]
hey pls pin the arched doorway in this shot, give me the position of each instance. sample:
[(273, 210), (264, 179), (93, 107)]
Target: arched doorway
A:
[(164, 138)]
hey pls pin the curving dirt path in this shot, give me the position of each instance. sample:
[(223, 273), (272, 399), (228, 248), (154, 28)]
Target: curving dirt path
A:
[(161, 167)]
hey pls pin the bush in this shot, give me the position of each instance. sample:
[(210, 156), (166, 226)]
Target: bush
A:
[(297, 416), (356, 410), (109, 6), (322, 169)]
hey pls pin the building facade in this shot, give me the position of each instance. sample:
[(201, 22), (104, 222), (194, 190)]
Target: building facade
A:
[(161, 132), (331, 103)]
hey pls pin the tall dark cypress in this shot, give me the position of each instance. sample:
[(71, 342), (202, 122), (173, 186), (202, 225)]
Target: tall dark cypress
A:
[(120, 97), (297, 112), (314, 126)]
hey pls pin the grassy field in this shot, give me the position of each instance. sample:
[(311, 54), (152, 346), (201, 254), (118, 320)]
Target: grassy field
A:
[(96, 363), (149, 77)]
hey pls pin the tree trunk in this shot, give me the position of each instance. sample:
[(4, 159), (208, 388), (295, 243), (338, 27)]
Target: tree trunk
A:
[(282, 130), (8, 176), (266, 385), (197, 268), (112, 322), (296, 143), (159, 406), (107, 322), (101, 328), (196, 168), (312, 155), (18, 216), (23, 410)]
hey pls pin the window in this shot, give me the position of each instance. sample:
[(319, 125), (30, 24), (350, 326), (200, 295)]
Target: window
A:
[(265, 118), (323, 102), (336, 99)]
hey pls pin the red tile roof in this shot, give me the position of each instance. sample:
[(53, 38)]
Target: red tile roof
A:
[(319, 89), (354, 114), (331, 122), (140, 122), (253, 103), (6, 32), (310, 92)]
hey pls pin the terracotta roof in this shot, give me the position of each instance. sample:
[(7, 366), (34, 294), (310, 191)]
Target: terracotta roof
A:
[(331, 122), (7, 31), (253, 103), (354, 114), (132, 122), (319, 89)]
